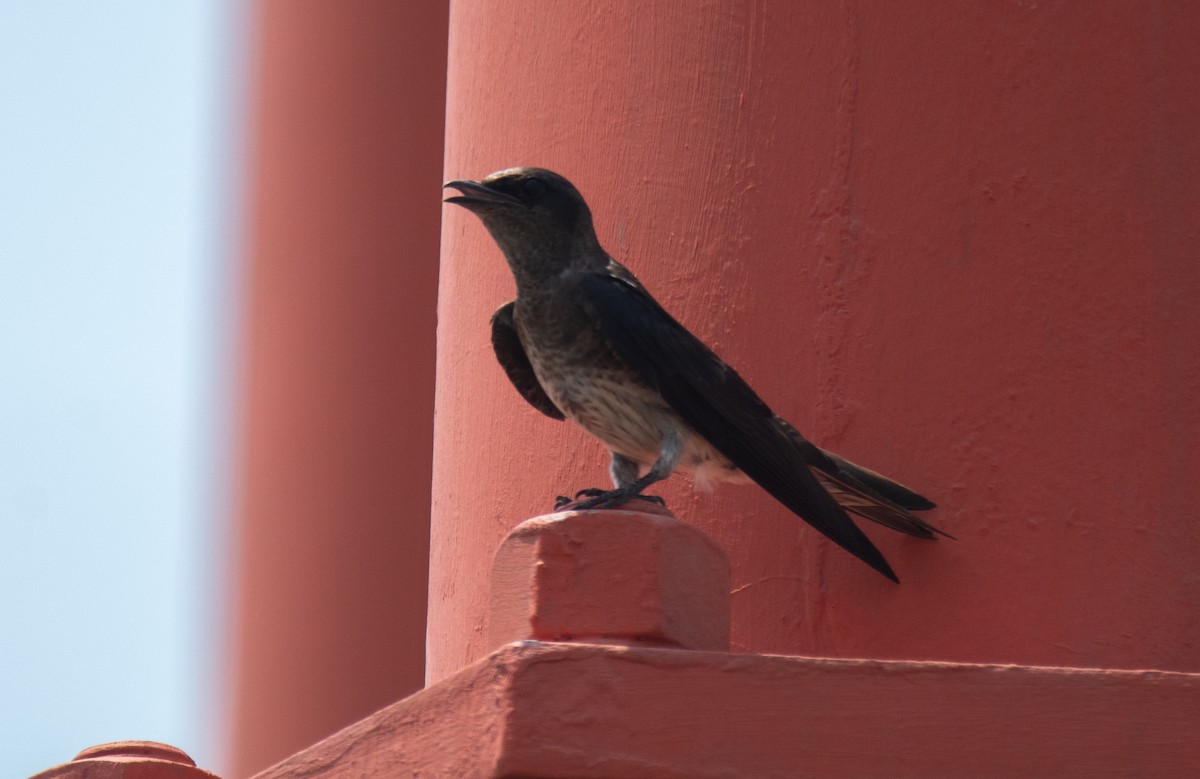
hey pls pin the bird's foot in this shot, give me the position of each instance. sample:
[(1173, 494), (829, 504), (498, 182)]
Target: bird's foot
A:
[(602, 499), (562, 502)]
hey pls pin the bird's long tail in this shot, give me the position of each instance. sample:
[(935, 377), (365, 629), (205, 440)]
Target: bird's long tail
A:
[(876, 497)]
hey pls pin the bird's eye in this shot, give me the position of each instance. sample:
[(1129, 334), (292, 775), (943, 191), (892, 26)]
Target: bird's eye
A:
[(532, 188)]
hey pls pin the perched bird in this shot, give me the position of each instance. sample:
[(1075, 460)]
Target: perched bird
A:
[(584, 340)]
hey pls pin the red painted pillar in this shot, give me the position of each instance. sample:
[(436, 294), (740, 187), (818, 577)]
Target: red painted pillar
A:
[(348, 105), (953, 245)]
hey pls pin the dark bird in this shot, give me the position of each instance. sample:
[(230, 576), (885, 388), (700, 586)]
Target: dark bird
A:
[(585, 340)]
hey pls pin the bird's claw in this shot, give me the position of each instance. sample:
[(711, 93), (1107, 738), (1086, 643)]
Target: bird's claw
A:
[(601, 499), (595, 496)]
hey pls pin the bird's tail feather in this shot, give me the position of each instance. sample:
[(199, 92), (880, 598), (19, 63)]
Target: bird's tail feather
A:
[(877, 498)]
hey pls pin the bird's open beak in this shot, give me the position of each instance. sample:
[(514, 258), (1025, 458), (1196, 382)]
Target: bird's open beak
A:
[(474, 193)]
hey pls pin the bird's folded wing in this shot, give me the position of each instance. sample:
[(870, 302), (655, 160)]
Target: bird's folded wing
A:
[(717, 404), (514, 361)]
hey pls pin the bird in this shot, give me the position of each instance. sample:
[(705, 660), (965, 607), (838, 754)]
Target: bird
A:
[(584, 340)]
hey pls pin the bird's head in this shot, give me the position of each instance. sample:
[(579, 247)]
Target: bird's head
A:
[(537, 217)]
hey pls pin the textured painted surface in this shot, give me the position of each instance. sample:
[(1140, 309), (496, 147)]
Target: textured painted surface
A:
[(338, 397), (451, 730), (578, 711), (618, 576), (128, 760), (955, 245)]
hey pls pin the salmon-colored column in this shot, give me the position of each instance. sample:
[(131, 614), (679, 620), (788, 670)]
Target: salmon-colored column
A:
[(956, 246), (348, 106)]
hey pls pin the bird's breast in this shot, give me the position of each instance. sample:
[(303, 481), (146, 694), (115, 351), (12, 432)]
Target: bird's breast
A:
[(604, 398), (592, 386), (602, 395)]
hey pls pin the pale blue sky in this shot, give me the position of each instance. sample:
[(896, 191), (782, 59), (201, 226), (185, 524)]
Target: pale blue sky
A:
[(119, 128)]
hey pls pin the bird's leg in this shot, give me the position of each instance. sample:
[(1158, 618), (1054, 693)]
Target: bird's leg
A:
[(622, 470), (628, 485), (615, 497)]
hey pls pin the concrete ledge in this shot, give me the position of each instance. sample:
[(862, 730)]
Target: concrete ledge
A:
[(577, 711)]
